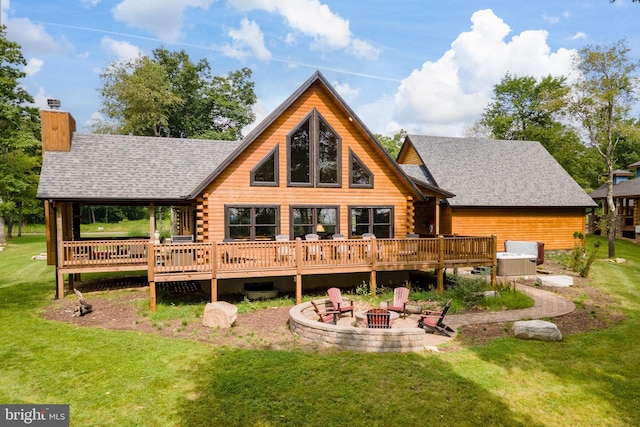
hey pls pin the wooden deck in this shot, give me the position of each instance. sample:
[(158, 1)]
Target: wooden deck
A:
[(223, 260)]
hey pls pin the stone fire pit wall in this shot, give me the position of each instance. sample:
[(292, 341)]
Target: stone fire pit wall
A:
[(303, 323)]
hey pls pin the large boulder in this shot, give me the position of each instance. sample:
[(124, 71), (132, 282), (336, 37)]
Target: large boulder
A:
[(536, 330), (557, 281), (219, 314)]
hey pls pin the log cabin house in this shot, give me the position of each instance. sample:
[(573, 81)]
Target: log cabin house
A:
[(248, 210), (626, 195), (514, 190)]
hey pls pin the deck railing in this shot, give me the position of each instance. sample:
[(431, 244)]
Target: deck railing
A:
[(232, 259)]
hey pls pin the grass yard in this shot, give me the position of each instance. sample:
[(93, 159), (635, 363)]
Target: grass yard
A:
[(133, 379)]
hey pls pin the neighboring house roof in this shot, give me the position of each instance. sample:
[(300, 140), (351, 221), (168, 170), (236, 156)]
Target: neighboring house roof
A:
[(113, 168), (621, 172), (629, 188), (634, 165), (494, 173)]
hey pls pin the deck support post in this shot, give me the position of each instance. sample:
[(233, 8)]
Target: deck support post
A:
[(440, 269), (214, 273), (59, 251), (374, 266), (298, 270), (494, 253), (151, 273)]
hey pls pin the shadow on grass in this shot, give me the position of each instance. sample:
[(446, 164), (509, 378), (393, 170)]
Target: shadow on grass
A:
[(241, 388)]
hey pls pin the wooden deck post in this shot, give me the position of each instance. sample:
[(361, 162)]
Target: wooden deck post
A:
[(151, 265), (374, 266), (152, 220), (440, 269), (494, 254), (298, 270), (59, 252), (214, 272)]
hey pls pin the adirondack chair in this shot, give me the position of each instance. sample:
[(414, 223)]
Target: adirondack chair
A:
[(378, 318), (324, 315), (342, 306), (432, 321), (400, 299)]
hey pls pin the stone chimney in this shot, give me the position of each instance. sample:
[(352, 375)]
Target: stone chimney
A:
[(57, 129)]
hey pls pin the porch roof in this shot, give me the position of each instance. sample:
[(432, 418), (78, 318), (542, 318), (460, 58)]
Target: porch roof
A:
[(123, 168)]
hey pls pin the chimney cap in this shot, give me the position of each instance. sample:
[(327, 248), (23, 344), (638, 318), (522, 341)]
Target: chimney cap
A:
[(54, 104)]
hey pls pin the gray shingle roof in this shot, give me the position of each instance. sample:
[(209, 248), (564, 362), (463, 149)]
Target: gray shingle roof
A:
[(629, 188), (127, 168), (484, 172)]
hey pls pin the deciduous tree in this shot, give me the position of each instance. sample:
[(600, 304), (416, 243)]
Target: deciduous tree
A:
[(20, 155), (602, 100), (169, 95)]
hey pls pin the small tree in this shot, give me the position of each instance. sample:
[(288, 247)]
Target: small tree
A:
[(602, 99)]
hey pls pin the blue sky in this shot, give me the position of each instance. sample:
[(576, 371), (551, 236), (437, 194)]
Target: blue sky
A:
[(425, 66)]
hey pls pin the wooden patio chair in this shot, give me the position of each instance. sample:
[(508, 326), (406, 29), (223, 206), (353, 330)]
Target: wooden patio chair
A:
[(432, 321), (284, 252), (400, 300), (378, 318), (324, 315), (342, 251), (338, 303), (314, 251)]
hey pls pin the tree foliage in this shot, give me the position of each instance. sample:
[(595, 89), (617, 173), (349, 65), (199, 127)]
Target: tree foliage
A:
[(602, 100), (20, 148), (392, 143), (169, 95)]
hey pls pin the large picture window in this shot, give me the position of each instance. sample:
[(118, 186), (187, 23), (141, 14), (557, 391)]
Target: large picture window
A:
[(322, 221), (376, 220), (313, 153), (252, 222)]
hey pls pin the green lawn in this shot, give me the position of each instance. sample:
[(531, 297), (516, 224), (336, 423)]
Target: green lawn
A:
[(116, 378)]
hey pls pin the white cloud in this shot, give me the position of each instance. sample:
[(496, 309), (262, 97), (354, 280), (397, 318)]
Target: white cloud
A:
[(33, 37), (88, 4), (347, 92), (40, 99), (551, 19), (248, 36), (163, 18), (579, 36), (313, 19), (95, 118), (34, 65), (122, 50), (444, 96)]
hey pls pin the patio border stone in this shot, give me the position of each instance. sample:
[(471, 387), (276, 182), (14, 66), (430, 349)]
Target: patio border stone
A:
[(400, 340)]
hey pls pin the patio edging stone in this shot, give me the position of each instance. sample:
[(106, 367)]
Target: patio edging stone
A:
[(352, 338)]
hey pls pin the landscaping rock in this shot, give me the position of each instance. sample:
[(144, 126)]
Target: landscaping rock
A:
[(537, 330), (219, 314), (557, 281), (490, 294)]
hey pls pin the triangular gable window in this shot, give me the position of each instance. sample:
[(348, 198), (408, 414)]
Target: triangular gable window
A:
[(313, 150), (266, 172), (359, 175)]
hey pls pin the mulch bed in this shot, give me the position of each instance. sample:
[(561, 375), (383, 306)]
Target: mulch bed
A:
[(268, 328)]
